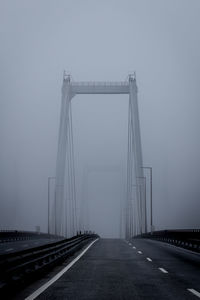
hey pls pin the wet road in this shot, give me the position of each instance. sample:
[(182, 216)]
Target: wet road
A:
[(140, 269)]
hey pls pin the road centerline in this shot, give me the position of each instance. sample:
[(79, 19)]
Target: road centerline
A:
[(149, 259), (163, 270), (194, 292)]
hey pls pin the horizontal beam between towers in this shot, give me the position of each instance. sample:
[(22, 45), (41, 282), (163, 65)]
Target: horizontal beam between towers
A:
[(99, 87)]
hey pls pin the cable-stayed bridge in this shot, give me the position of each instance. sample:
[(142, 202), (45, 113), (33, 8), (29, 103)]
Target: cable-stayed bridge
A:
[(73, 262), (64, 217)]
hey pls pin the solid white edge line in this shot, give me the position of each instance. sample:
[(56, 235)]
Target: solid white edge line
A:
[(149, 259), (194, 292), (57, 276), (163, 270)]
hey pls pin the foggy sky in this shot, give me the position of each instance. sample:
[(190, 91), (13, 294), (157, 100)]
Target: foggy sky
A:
[(100, 40)]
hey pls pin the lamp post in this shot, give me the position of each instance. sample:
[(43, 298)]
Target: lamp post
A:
[(145, 204), (139, 209), (151, 201), (49, 181)]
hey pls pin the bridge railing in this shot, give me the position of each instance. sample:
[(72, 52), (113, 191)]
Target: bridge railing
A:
[(20, 267), (16, 235), (185, 238)]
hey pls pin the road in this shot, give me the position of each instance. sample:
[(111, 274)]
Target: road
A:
[(140, 269)]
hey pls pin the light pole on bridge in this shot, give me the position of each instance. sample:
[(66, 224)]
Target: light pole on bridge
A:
[(49, 181), (139, 208), (151, 201), (145, 203)]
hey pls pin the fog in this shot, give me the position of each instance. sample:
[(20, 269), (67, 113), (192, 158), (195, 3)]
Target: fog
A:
[(99, 41)]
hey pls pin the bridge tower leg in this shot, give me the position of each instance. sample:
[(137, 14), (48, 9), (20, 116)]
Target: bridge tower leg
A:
[(137, 171), (61, 154)]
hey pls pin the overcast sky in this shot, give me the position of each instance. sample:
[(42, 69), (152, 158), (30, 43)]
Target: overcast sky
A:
[(100, 40)]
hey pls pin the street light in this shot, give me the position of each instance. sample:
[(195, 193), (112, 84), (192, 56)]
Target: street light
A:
[(151, 201), (49, 180), (145, 204), (139, 210)]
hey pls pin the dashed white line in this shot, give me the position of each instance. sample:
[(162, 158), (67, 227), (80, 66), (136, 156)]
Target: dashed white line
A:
[(194, 292), (10, 249), (149, 259), (57, 276), (134, 247), (163, 270), (139, 252)]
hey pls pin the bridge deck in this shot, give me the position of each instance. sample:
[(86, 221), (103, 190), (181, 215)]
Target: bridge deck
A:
[(113, 269)]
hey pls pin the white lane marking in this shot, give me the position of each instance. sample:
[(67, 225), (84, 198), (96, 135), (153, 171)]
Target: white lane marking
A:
[(139, 252), (194, 292), (149, 259), (10, 249), (163, 270), (57, 276), (134, 247)]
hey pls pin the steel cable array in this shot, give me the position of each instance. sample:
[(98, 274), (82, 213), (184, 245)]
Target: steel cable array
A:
[(64, 215), (135, 203), (65, 196)]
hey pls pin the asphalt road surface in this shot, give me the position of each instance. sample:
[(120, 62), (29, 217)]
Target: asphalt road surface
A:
[(140, 269)]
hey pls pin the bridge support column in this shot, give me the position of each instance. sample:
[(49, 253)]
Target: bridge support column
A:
[(136, 161), (61, 155)]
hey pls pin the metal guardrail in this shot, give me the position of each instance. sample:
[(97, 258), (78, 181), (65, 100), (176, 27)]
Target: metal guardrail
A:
[(185, 238), (15, 235), (22, 266)]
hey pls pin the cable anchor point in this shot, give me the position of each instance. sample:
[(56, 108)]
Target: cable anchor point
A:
[(66, 77)]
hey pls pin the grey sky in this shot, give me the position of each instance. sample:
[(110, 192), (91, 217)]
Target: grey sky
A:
[(99, 40)]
